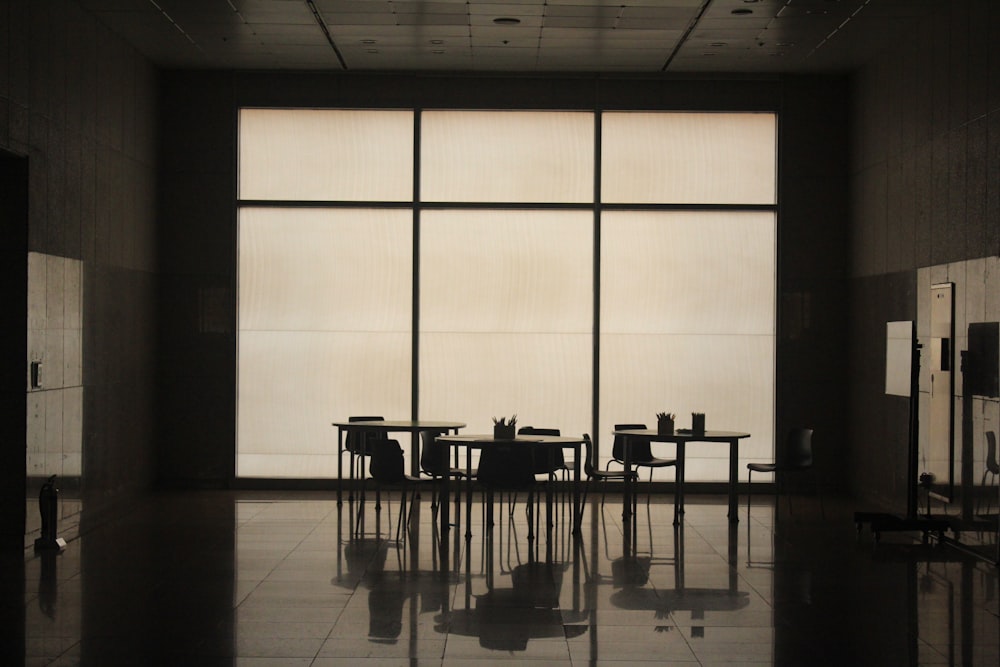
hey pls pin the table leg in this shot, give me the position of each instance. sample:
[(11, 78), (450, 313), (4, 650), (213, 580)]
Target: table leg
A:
[(444, 498), (468, 492), (679, 484), (577, 510), (628, 495), (340, 466), (734, 515)]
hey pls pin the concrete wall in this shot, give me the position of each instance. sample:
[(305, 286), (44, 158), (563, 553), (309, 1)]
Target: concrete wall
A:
[(81, 105), (925, 183)]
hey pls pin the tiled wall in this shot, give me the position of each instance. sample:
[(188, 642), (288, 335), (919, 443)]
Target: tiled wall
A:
[(925, 193), (81, 105)]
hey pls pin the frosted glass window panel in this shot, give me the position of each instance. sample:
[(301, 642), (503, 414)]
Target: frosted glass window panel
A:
[(292, 385), (325, 312), (688, 158), (505, 156), (692, 272), (304, 269), (545, 378), (507, 271), (728, 377), (687, 325), (326, 155)]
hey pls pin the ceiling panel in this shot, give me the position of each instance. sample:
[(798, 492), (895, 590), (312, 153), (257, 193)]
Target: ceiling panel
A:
[(550, 35)]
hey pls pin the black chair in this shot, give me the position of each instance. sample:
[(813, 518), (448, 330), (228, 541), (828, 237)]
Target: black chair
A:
[(642, 452), (507, 467), (549, 461), (355, 441), (388, 472), (797, 456), (434, 461), (596, 474), (991, 467)]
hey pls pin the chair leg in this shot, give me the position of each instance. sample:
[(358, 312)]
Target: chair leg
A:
[(749, 490)]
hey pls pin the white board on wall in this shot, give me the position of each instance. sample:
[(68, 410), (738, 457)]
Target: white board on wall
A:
[(898, 357)]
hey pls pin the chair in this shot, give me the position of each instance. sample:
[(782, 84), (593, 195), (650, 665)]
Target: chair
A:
[(388, 470), (599, 475), (642, 452), (992, 467), (504, 466), (434, 461), (552, 461), (355, 441), (796, 457)]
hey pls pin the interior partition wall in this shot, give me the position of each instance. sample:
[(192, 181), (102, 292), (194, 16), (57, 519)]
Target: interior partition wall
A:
[(577, 269)]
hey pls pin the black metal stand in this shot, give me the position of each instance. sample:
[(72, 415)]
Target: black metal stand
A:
[(882, 522)]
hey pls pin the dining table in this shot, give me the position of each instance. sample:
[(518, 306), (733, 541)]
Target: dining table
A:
[(412, 426), (471, 442), (682, 438)]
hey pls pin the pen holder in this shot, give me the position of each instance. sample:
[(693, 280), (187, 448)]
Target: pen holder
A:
[(503, 431), (698, 422), (665, 426)]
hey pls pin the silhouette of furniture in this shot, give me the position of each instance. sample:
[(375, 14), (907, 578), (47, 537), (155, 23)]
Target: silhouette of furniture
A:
[(362, 427), (595, 474), (387, 470), (797, 456), (991, 468), (640, 453), (485, 441), (682, 438)]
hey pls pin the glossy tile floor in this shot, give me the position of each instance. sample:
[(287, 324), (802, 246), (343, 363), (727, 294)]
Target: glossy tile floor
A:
[(241, 578)]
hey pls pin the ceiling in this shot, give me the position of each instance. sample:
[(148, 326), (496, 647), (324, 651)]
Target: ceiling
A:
[(597, 36)]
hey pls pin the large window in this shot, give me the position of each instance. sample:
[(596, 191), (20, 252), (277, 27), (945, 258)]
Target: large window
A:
[(515, 245)]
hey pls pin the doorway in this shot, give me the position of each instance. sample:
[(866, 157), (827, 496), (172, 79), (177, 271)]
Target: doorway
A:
[(14, 287)]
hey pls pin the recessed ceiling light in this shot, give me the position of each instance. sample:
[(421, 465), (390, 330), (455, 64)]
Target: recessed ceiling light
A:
[(506, 20), (438, 52), (437, 41), (368, 41)]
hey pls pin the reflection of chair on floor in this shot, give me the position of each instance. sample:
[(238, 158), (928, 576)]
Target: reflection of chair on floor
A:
[(641, 453), (991, 467), (505, 619), (796, 457)]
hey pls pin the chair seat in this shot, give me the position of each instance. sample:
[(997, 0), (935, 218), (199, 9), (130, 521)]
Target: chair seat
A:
[(762, 467), (613, 474), (655, 463)]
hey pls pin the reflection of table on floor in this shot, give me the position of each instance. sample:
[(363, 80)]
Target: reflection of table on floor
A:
[(414, 427), (470, 442), (681, 438)]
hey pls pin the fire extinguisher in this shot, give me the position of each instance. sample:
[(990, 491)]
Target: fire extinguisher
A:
[(48, 506)]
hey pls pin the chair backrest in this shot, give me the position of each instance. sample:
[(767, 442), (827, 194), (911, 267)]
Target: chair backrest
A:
[(543, 458), (355, 440), (387, 465), (433, 454), (588, 455), (507, 465), (798, 449), (641, 450), (992, 464)]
